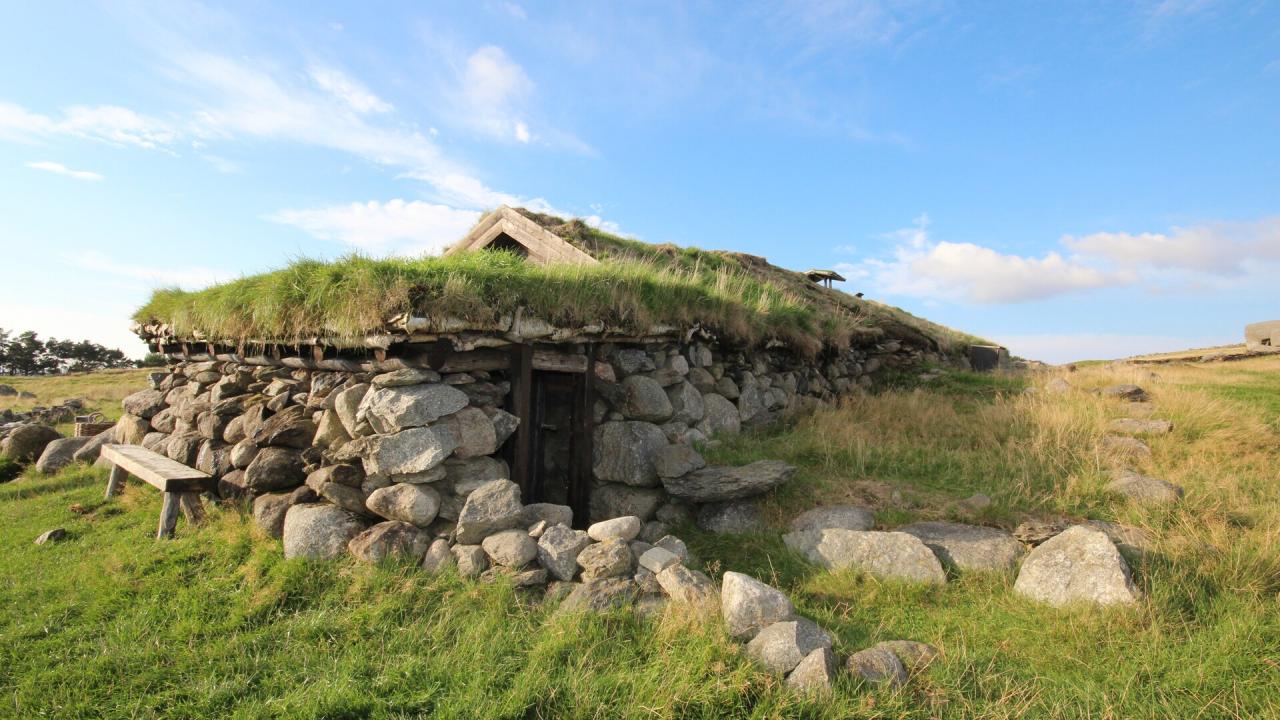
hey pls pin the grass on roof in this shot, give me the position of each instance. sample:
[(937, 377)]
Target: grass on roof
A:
[(635, 287)]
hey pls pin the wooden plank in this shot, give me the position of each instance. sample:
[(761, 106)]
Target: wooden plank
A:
[(168, 516), (522, 408), (115, 483), (552, 361), (166, 475)]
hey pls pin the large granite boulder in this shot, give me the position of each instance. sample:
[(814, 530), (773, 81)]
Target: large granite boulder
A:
[(410, 451), (489, 508), (144, 403), (90, 451), (131, 429), (387, 539), (717, 484), (831, 517), (474, 432), (719, 415), (749, 606), (318, 531), (611, 500), (1078, 566), (274, 468), (644, 399), (347, 405), (1145, 490), (59, 454), (969, 547), (625, 452), (686, 403), (406, 502), (891, 555), (28, 442), (781, 646), (815, 674), (392, 409)]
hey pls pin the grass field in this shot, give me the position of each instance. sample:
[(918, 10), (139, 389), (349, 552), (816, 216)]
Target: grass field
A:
[(112, 624)]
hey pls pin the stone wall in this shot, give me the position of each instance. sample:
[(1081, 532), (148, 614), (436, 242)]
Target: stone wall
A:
[(411, 445)]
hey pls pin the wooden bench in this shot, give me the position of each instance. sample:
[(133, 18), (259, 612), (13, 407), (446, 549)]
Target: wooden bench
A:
[(180, 484)]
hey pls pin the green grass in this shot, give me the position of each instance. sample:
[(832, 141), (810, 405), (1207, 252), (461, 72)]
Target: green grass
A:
[(113, 624), (634, 288)]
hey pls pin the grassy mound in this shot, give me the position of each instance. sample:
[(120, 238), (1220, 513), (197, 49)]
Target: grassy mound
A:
[(216, 622), (635, 287)]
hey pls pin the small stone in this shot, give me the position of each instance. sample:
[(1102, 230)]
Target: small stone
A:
[(845, 517), (675, 546), (404, 377), (1124, 446), (144, 403), (781, 646), (49, 536), (474, 433), (748, 605), (318, 531), (622, 528), (470, 559), (611, 558), (657, 559), (815, 674), (644, 399), (438, 557), (492, 507), (1079, 565), (877, 666), (549, 513), (536, 530), (625, 452), (414, 504), (387, 539), (558, 550), (686, 586), (410, 451), (392, 409), (1145, 490), (510, 548), (1133, 426), (1132, 393), (675, 461), (600, 595), (914, 656)]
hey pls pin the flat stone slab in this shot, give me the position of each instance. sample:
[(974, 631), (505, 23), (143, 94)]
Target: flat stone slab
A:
[(969, 547), (1129, 392), (831, 517), (1124, 446), (890, 555), (1078, 566), (718, 484), (1140, 426), (1145, 490)]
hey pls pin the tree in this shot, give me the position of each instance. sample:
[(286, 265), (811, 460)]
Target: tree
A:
[(27, 354)]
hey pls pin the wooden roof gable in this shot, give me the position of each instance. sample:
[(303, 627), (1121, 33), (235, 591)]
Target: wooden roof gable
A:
[(505, 225)]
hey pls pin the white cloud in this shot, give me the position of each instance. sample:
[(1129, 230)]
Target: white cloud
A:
[(106, 123), (492, 89), (188, 278), (348, 90), (60, 169), (1222, 249), (922, 267), (397, 226)]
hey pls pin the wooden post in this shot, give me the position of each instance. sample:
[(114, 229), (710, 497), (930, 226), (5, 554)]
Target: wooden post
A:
[(168, 516), (191, 507), (581, 444), (115, 483), (522, 407)]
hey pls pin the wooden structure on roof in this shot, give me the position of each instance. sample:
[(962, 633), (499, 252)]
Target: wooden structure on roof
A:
[(506, 229), (823, 277)]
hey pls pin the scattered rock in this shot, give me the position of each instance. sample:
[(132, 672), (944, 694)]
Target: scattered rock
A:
[(59, 454), (1145, 490), (893, 555), (844, 517), (730, 518), (611, 558), (718, 484), (969, 547), (53, 535), (657, 559), (28, 442), (1124, 446), (470, 559), (438, 557), (319, 531), (622, 528), (510, 548), (1079, 565), (815, 674), (781, 646), (387, 539), (90, 451), (748, 605), (1132, 393), (1035, 532), (558, 550), (492, 507), (877, 666), (914, 656), (600, 595), (406, 502), (686, 586)]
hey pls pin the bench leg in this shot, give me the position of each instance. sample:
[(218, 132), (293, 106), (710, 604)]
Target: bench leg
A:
[(116, 482), (168, 516), (191, 507)]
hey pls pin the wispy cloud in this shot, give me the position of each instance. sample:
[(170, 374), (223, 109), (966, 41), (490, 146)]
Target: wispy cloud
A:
[(105, 123), (60, 169), (1070, 347), (348, 90), (189, 278), (397, 227), (1221, 249)]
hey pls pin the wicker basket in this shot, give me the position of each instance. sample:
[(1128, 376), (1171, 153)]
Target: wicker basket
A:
[(90, 425)]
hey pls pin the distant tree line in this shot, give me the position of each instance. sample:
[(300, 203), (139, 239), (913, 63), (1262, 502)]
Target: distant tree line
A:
[(26, 354)]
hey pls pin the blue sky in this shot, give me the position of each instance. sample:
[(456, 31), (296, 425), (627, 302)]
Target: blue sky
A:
[(1072, 179)]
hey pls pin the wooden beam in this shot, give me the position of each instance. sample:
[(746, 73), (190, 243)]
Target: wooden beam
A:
[(165, 475), (552, 361), (115, 483), (582, 446), (168, 516), (522, 407)]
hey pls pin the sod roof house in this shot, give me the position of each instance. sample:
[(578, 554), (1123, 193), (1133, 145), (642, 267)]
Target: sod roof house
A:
[(583, 366)]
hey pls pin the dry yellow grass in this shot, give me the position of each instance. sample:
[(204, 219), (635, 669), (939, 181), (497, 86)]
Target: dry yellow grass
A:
[(102, 391)]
